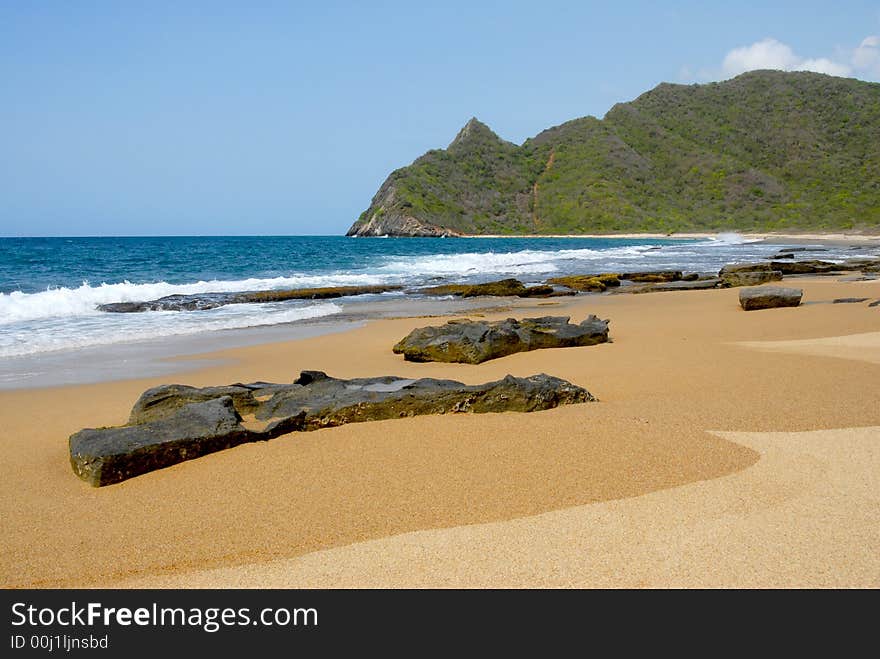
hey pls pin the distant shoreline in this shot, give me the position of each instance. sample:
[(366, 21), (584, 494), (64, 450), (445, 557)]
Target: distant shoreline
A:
[(835, 237), (812, 235)]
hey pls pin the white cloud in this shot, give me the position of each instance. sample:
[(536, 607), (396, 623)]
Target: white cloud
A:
[(824, 65), (862, 61), (772, 54), (764, 54), (867, 56)]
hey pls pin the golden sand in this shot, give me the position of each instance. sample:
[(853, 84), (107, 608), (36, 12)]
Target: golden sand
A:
[(671, 479)]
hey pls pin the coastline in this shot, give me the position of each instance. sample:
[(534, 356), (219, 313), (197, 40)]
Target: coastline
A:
[(832, 237), (335, 506)]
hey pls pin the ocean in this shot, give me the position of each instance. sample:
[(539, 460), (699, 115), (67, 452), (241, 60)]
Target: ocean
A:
[(51, 331)]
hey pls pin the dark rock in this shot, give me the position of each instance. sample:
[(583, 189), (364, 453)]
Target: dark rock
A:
[(875, 303), (198, 302), (698, 285), (802, 249), (473, 342), (182, 430), (776, 257), (769, 297), (691, 276), (109, 455), (849, 300), (329, 402), (204, 301), (652, 276), (734, 279)]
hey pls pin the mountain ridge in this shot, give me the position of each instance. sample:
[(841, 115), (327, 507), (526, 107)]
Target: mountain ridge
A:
[(765, 151)]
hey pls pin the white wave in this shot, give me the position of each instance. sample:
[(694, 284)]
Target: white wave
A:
[(511, 263), (107, 329), (731, 238), (83, 301)]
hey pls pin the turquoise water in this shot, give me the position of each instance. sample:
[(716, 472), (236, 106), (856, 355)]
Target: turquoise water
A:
[(50, 288), (35, 264)]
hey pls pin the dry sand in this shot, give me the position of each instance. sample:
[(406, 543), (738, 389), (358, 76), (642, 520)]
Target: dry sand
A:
[(699, 467)]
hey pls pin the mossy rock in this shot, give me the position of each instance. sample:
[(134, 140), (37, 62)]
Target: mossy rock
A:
[(501, 288), (324, 293)]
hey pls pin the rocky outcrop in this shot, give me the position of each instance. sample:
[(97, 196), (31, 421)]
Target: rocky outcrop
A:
[(808, 267), (786, 267), (392, 224), (805, 267), (734, 268), (204, 301), (769, 297), (174, 423), (474, 342), (865, 264), (500, 288), (652, 276), (588, 283), (746, 278)]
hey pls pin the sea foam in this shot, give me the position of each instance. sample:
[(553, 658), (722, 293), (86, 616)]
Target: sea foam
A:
[(65, 302), (107, 329)]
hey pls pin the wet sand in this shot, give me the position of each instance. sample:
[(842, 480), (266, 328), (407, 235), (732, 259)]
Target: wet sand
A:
[(672, 479)]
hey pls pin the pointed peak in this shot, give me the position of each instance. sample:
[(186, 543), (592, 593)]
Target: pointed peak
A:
[(474, 131)]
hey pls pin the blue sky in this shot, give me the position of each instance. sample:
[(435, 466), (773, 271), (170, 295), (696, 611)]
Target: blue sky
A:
[(153, 118)]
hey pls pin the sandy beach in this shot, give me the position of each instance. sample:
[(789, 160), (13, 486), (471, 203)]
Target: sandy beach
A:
[(728, 449)]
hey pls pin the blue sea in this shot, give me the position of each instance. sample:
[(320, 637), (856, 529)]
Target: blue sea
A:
[(50, 288)]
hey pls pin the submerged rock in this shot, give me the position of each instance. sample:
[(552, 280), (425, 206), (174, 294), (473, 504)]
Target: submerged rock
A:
[(205, 301), (849, 300), (167, 427), (473, 342), (769, 297)]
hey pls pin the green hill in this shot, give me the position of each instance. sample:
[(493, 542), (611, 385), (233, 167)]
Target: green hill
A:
[(766, 151)]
